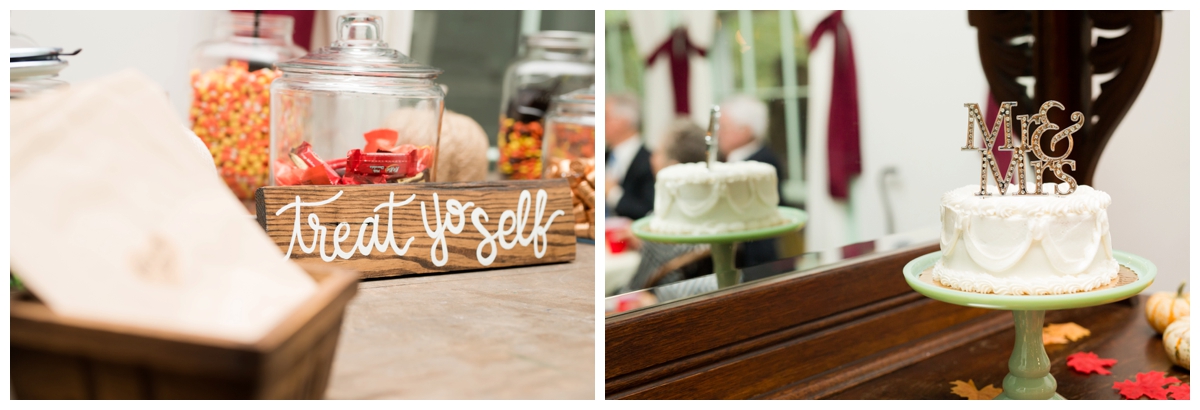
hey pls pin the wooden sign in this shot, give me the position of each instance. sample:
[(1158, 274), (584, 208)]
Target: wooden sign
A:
[(394, 229)]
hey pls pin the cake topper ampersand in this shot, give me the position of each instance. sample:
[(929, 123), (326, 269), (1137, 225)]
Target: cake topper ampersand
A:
[(1028, 143)]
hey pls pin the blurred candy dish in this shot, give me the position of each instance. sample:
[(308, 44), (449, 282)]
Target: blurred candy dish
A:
[(569, 150), (231, 103), (554, 62), (230, 113)]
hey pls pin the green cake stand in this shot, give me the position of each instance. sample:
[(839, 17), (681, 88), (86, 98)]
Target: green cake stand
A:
[(722, 244), (1029, 375)]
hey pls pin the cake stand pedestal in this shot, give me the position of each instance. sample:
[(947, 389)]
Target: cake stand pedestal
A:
[(722, 244), (1029, 367)]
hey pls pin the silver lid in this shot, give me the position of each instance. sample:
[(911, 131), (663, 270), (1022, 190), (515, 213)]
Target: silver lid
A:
[(33, 52), (37, 53), (359, 50), (578, 102), (567, 40), (583, 95), (36, 62)]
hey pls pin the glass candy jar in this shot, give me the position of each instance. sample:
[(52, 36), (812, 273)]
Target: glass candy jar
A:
[(231, 77), (554, 62), (570, 152), (33, 70), (356, 112)]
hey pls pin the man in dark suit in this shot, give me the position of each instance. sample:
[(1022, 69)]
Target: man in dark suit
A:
[(743, 130), (629, 181)]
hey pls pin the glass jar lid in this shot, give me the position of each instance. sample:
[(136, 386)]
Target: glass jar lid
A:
[(36, 62), (359, 50), (577, 102), (564, 40)]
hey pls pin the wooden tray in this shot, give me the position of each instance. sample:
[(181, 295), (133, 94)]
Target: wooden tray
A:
[(54, 357)]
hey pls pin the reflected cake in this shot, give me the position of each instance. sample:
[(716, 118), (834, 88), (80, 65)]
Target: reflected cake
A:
[(1025, 244), (730, 197)]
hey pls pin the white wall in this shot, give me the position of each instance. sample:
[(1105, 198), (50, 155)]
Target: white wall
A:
[(916, 69), (1145, 165), (158, 43)]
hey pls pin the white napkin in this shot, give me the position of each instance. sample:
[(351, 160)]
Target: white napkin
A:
[(115, 218)]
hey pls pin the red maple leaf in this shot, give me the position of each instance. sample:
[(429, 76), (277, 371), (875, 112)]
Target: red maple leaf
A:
[(1149, 384), (1180, 391), (1088, 362)]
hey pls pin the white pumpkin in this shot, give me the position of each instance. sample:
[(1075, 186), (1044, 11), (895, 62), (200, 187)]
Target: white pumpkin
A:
[(1177, 340), (1164, 307)]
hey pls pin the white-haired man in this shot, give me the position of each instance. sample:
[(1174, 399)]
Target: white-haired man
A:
[(629, 180), (743, 132), (743, 135)]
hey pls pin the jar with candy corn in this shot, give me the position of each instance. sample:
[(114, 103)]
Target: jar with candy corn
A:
[(570, 152), (553, 63), (231, 79), (356, 112)]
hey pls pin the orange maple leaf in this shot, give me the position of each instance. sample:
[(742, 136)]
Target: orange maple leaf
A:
[(967, 389), (1063, 333)]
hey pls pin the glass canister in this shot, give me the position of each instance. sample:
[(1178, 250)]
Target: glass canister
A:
[(231, 78), (554, 62), (570, 152), (33, 70), (356, 112)]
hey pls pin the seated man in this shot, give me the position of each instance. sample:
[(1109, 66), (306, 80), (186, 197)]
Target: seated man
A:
[(742, 138), (629, 181), (683, 143)]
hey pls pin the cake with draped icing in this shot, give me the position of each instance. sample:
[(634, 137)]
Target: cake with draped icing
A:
[(729, 197), (1025, 244)]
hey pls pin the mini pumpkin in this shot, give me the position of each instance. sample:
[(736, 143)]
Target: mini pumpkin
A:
[(1164, 307), (1177, 340)]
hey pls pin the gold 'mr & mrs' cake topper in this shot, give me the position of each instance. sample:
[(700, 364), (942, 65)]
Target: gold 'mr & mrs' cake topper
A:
[(1027, 143)]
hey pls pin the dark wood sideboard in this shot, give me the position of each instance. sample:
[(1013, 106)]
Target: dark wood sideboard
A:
[(852, 330)]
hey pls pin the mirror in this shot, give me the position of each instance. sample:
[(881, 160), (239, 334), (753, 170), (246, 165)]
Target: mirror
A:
[(798, 265), (913, 71), (911, 81)]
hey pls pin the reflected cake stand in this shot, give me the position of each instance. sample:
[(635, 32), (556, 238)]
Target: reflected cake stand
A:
[(722, 244), (1029, 375)]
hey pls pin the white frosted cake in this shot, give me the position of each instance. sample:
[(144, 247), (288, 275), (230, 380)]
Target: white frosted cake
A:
[(730, 197), (1025, 244)]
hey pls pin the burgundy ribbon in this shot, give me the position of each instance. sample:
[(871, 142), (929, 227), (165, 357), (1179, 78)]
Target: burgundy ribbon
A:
[(845, 157), (677, 48)]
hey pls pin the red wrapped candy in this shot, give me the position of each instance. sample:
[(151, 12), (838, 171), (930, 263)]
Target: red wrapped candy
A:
[(287, 174), (422, 158), (337, 163), (374, 168), (403, 149), (318, 176), (381, 139), (318, 172), (380, 161)]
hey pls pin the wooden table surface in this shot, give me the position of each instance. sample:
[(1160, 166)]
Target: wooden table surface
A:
[(518, 333), (1119, 331)]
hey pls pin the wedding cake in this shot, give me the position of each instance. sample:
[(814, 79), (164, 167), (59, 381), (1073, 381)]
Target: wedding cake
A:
[(1025, 244), (729, 197)]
